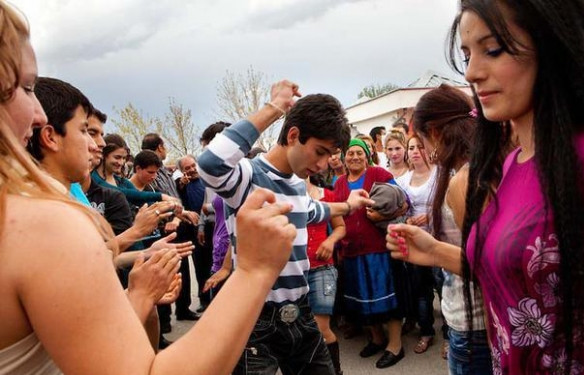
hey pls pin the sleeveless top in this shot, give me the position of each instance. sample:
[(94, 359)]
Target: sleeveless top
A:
[(27, 357), (453, 301)]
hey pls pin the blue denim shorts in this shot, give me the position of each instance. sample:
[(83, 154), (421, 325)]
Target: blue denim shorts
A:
[(322, 282)]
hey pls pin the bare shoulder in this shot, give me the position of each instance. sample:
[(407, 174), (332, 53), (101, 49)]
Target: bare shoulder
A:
[(34, 224), (456, 194), (32, 216)]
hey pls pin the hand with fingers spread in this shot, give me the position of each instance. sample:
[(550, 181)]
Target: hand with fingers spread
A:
[(412, 244), (183, 249), (264, 234)]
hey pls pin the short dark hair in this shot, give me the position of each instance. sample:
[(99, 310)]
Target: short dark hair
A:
[(59, 100), (320, 116), (147, 158), (376, 131), (102, 117), (401, 124), (151, 141), (212, 130)]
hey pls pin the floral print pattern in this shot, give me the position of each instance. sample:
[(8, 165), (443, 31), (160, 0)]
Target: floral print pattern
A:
[(550, 290), (544, 254), (502, 336), (556, 364), (531, 326)]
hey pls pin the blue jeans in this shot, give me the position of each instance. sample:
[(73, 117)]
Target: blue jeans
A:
[(322, 282), (460, 359), (296, 348)]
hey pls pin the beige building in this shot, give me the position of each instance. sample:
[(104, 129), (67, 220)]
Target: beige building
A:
[(396, 105)]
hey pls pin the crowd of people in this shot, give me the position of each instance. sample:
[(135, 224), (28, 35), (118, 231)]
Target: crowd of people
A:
[(479, 200)]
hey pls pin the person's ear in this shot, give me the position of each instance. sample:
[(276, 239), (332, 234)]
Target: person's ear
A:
[(293, 135), (49, 138)]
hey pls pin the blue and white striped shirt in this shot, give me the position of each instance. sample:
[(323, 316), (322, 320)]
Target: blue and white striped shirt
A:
[(223, 168)]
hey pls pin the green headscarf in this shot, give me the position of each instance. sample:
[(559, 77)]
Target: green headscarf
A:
[(363, 145)]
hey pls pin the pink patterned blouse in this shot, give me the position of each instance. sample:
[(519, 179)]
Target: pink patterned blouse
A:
[(519, 276)]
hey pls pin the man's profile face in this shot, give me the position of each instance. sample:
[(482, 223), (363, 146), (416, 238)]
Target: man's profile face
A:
[(95, 131), (76, 148)]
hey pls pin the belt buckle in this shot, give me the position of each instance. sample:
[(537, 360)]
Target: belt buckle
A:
[(289, 313)]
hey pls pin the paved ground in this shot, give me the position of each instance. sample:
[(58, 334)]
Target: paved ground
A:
[(428, 363)]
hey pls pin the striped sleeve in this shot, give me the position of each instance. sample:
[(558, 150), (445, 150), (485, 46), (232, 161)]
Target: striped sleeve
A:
[(223, 167)]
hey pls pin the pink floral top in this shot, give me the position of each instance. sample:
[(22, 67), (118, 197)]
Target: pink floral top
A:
[(519, 276)]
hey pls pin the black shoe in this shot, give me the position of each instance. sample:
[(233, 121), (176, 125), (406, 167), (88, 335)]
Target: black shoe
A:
[(163, 343), (371, 349), (165, 327), (389, 359), (187, 315)]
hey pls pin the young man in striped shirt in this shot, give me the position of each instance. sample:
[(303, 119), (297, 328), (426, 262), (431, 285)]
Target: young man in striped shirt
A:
[(286, 335)]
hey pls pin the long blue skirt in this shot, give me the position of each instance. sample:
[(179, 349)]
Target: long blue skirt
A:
[(370, 291)]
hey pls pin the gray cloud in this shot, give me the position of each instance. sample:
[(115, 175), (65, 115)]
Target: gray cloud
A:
[(143, 52), (288, 14)]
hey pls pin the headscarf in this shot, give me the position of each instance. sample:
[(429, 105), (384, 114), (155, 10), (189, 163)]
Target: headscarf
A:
[(363, 145)]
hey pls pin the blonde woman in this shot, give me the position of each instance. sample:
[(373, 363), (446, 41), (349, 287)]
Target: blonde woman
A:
[(66, 309), (395, 149)]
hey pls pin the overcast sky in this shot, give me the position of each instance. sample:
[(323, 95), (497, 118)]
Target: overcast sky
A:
[(143, 51)]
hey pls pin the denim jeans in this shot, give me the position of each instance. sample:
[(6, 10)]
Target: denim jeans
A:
[(296, 348), (460, 359)]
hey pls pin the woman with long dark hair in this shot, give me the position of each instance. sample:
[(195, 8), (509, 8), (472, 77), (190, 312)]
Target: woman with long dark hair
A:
[(445, 120), (523, 237)]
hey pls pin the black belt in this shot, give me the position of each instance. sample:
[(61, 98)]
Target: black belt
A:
[(287, 313)]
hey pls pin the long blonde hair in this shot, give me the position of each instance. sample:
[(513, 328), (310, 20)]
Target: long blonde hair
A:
[(19, 174)]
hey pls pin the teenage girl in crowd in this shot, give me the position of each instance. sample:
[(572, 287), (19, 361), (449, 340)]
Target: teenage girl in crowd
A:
[(395, 149), (523, 239), (446, 122), (418, 183), (66, 309), (109, 173)]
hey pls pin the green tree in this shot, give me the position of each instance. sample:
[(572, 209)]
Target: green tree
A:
[(373, 91)]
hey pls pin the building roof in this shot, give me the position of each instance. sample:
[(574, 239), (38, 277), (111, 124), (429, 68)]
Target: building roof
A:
[(434, 79)]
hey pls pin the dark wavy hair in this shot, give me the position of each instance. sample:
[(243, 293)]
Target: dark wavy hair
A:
[(320, 116), (557, 31), (444, 116)]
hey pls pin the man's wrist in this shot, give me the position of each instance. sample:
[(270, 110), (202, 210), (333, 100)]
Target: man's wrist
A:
[(349, 208)]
